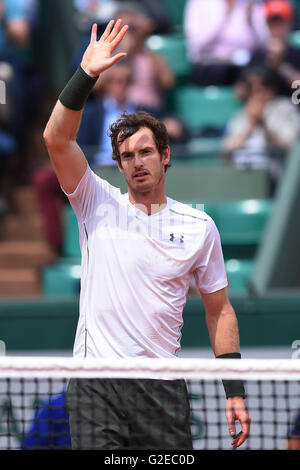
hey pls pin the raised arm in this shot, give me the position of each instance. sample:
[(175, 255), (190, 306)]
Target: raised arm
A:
[(61, 131)]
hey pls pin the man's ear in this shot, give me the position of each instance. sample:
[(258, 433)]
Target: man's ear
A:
[(120, 166), (166, 155)]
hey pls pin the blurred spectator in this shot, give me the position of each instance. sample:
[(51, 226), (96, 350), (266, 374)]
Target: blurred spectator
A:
[(221, 35), (94, 11), (7, 140), (177, 130), (151, 76), (101, 11), (262, 133), (88, 12), (16, 27), (14, 36), (20, 82), (293, 442), (279, 54), (51, 201), (179, 136), (49, 429), (156, 10)]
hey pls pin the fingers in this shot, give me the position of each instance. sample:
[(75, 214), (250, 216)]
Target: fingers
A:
[(107, 30), (245, 431), (239, 440), (119, 36), (231, 422), (113, 34), (237, 413), (117, 57), (115, 30), (241, 437), (94, 33)]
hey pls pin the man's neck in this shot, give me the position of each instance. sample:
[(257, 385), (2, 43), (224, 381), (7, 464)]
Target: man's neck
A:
[(148, 203)]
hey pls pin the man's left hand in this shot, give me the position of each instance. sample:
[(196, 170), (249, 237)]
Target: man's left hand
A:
[(236, 411)]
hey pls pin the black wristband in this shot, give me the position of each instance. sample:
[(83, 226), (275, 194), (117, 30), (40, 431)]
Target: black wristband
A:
[(233, 388), (77, 90)]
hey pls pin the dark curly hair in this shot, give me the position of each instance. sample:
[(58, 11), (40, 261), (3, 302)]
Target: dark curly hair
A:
[(128, 124)]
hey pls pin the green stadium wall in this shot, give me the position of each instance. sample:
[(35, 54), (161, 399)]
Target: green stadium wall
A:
[(49, 325)]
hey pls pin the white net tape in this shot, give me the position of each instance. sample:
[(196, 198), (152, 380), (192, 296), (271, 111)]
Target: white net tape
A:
[(179, 368)]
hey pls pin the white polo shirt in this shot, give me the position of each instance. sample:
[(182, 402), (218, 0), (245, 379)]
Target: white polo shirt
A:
[(136, 271)]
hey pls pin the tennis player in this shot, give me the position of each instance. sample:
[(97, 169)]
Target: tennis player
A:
[(139, 251)]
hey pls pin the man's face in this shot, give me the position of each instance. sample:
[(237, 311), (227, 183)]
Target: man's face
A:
[(117, 82), (141, 163), (279, 28), (258, 90)]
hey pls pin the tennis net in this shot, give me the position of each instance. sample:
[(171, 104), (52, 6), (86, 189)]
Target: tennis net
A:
[(33, 412)]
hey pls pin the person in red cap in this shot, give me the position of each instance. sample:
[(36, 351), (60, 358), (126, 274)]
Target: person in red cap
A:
[(279, 54), (280, 8)]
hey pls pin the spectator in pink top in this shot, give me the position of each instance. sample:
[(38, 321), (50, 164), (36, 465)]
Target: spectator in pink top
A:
[(151, 74), (221, 35)]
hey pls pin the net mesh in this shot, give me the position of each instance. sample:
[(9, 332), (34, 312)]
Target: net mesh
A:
[(34, 413)]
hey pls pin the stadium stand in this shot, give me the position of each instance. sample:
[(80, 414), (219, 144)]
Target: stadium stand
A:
[(205, 107), (175, 9), (295, 39), (241, 224), (239, 273), (172, 47), (71, 236), (23, 249), (62, 279)]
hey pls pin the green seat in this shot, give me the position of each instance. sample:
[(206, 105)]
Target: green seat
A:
[(175, 10), (205, 107), (239, 272), (295, 39), (206, 146), (62, 279), (241, 225), (173, 49), (71, 248), (205, 151)]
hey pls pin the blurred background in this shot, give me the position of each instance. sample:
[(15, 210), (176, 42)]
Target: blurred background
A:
[(224, 75)]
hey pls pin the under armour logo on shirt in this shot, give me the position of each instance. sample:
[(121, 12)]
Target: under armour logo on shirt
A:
[(172, 238)]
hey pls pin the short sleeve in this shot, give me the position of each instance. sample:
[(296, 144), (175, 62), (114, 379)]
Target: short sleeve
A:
[(91, 191), (210, 274)]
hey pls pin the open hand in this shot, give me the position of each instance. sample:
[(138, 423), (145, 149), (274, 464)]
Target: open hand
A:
[(98, 55), (237, 411)]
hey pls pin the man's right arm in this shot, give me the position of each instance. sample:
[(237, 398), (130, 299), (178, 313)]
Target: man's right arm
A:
[(66, 155), (61, 131)]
